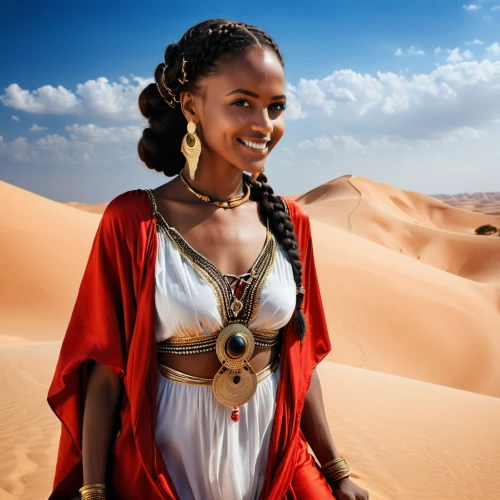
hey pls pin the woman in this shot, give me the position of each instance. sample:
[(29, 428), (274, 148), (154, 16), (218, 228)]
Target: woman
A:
[(188, 367)]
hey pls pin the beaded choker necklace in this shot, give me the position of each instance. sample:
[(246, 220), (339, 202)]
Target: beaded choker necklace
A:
[(231, 203)]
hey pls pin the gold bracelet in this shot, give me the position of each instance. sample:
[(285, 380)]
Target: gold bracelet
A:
[(93, 496), (336, 469), (93, 492), (92, 487)]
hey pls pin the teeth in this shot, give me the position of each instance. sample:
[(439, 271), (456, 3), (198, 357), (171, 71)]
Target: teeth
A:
[(256, 145)]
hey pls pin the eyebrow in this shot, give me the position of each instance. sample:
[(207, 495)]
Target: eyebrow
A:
[(253, 94)]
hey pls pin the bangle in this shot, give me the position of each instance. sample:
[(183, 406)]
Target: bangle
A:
[(93, 492), (336, 469)]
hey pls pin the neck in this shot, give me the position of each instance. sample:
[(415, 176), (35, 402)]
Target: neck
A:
[(217, 184)]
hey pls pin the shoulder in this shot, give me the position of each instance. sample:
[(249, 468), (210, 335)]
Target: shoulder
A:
[(129, 206), (127, 217)]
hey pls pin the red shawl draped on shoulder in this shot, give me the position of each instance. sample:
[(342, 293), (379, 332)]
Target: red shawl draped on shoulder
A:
[(112, 323)]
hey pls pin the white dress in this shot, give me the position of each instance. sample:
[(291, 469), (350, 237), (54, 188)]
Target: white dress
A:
[(208, 456)]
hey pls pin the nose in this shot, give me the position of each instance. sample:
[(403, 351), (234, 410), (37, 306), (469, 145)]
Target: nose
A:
[(262, 121)]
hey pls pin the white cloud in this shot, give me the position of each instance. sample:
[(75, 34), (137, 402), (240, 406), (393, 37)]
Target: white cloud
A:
[(411, 51), (47, 150), (15, 118), (117, 100), (348, 143), (455, 135), (493, 50), (471, 6), (437, 50), (335, 143), (95, 133), (293, 107), (424, 106), (46, 99), (475, 42), (112, 100), (341, 94), (37, 128), (415, 52), (455, 56), (390, 142), (496, 7), (17, 149), (311, 94), (322, 142), (51, 140)]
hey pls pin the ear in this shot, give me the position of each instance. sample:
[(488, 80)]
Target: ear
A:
[(188, 103)]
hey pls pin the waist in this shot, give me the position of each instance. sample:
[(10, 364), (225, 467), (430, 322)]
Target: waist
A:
[(207, 343), (185, 378)]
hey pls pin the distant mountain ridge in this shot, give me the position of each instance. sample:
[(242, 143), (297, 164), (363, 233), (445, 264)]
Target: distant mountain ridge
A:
[(486, 203)]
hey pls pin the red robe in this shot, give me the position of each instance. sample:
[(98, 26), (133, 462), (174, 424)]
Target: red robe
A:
[(112, 323)]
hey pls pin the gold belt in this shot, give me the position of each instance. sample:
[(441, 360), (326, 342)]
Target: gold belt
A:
[(206, 343), (185, 378)]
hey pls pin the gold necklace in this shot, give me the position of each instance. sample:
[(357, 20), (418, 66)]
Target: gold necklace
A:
[(231, 203)]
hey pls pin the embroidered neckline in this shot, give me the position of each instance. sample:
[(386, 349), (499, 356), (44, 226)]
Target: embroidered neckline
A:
[(231, 308)]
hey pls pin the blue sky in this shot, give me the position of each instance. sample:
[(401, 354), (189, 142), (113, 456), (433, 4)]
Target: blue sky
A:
[(405, 93)]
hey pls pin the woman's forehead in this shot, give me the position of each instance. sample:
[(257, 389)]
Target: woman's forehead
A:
[(257, 70)]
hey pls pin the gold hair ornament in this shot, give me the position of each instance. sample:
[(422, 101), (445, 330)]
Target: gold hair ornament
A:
[(172, 102), (184, 74)]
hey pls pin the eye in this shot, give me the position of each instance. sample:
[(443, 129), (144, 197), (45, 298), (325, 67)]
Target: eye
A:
[(279, 106), (241, 103)]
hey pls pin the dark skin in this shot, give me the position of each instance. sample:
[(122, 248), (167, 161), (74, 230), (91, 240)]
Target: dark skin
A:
[(231, 239)]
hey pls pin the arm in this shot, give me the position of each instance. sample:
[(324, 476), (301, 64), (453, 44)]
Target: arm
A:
[(101, 403), (314, 424)]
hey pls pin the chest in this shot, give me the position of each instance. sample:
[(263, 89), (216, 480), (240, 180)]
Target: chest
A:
[(231, 240)]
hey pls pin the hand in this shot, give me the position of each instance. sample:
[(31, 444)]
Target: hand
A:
[(345, 489)]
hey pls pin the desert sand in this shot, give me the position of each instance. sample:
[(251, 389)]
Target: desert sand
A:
[(412, 298)]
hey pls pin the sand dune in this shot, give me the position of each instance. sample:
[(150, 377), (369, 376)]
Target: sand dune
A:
[(412, 298), (435, 443), (42, 264), (95, 209)]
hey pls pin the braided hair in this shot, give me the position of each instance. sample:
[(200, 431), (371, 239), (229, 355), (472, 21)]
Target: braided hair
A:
[(202, 47)]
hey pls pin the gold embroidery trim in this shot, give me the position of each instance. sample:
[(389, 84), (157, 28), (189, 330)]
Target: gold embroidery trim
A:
[(206, 272), (223, 291), (206, 343)]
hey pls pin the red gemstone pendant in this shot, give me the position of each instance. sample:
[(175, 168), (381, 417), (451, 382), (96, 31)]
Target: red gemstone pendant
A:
[(235, 415)]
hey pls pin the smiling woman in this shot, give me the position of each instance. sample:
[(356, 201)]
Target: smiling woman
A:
[(199, 322)]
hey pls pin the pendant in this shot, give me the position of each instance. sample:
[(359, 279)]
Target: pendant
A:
[(235, 382), (236, 306), (235, 415)]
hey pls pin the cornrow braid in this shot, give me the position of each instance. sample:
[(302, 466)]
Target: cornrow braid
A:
[(193, 57), (282, 226)]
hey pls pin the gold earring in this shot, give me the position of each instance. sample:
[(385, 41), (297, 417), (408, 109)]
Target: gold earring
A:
[(191, 148)]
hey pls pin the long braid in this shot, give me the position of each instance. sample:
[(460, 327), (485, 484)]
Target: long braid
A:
[(282, 226), (195, 56)]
